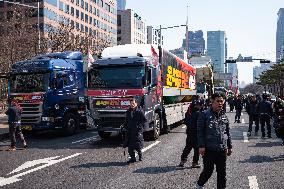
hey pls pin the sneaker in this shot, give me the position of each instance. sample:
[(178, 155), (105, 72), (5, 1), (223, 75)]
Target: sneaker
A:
[(182, 162), (195, 165), (199, 187), (249, 134), (131, 161), (238, 121), (25, 146)]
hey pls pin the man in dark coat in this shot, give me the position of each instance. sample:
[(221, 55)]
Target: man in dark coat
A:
[(191, 132), (239, 108), (134, 126), (266, 112), (14, 120), (252, 109)]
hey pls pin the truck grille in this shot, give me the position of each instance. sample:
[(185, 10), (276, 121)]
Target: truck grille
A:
[(31, 113), (111, 119)]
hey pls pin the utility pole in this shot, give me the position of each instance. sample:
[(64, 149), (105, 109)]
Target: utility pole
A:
[(186, 35)]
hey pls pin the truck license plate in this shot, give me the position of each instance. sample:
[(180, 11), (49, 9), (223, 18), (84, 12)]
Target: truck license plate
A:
[(27, 127)]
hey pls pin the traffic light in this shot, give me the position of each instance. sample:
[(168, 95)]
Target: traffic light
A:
[(231, 61), (264, 61)]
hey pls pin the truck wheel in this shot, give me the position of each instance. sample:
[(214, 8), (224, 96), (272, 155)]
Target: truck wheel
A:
[(155, 133), (104, 135), (70, 124)]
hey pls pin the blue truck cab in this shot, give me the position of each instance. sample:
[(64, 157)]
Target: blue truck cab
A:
[(50, 91)]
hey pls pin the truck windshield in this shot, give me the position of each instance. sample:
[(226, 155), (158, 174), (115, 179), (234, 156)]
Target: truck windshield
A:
[(116, 77), (28, 83)]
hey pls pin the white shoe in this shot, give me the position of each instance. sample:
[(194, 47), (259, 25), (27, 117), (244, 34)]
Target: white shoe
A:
[(199, 187)]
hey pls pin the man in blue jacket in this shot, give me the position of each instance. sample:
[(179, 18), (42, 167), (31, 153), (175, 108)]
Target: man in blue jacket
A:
[(214, 141)]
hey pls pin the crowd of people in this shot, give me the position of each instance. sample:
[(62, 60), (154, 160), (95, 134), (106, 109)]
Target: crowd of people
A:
[(208, 131)]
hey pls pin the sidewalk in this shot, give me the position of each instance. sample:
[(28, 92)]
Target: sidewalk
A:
[(4, 127)]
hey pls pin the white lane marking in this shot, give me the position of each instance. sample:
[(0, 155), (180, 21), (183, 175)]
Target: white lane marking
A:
[(183, 127), (243, 120), (46, 162), (253, 182), (86, 139), (245, 134), (148, 147)]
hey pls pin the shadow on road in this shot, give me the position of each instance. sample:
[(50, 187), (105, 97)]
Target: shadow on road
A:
[(106, 164), (158, 170), (262, 159), (266, 144)]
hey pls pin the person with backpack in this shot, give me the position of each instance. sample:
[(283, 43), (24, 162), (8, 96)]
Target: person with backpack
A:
[(191, 132)]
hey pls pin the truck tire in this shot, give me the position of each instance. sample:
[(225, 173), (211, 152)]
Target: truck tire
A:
[(104, 135), (71, 123), (155, 133)]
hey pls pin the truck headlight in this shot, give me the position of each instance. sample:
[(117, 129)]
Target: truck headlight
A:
[(47, 119), (56, 106)]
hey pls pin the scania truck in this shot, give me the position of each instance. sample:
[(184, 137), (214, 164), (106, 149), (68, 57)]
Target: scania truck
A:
[(50, 90), (162, 83)]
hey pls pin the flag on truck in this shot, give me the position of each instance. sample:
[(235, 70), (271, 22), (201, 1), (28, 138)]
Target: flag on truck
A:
[(88, 60)]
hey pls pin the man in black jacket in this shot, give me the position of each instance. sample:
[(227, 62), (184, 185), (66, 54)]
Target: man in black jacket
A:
[(252, 109), (239, 108), (266, 112), (191, 132), (14, 120), (214, 142), (134, 126)]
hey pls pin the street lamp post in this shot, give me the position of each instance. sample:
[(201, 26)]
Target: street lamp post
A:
[(30, 6)]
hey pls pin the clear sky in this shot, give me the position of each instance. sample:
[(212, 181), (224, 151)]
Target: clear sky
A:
[(250, 25)]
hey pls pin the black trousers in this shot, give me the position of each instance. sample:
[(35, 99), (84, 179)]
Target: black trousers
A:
[(254, 119), (238, 114), (131, 152), (14, 130), (191, 142), (210, 159), (265, 120)]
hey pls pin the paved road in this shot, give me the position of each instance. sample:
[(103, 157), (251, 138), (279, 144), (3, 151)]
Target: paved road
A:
[(86, 161)]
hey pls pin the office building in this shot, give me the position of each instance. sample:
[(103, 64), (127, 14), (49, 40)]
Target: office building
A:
[(196, 43), (93, 17), (131, 28), (121, 4), (153, 36), (216, 49), (280, 35)]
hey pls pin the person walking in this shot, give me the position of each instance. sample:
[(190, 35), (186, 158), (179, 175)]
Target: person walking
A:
[(134, 127), (252, 109), (266, 112), (214, 142), (239, 108), (191, 132), (14, 120)]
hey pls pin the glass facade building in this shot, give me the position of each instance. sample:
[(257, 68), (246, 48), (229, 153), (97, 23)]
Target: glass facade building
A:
[(121, 4), (280, 35), (216, 49), (196, 42)]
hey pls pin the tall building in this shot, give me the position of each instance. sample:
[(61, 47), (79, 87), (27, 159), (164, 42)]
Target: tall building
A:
[(181, 53), (131, 28), (233, 69), (121, 4), (216, 49), (280, 35), (153, 36), (96, 17), (196, 42)]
